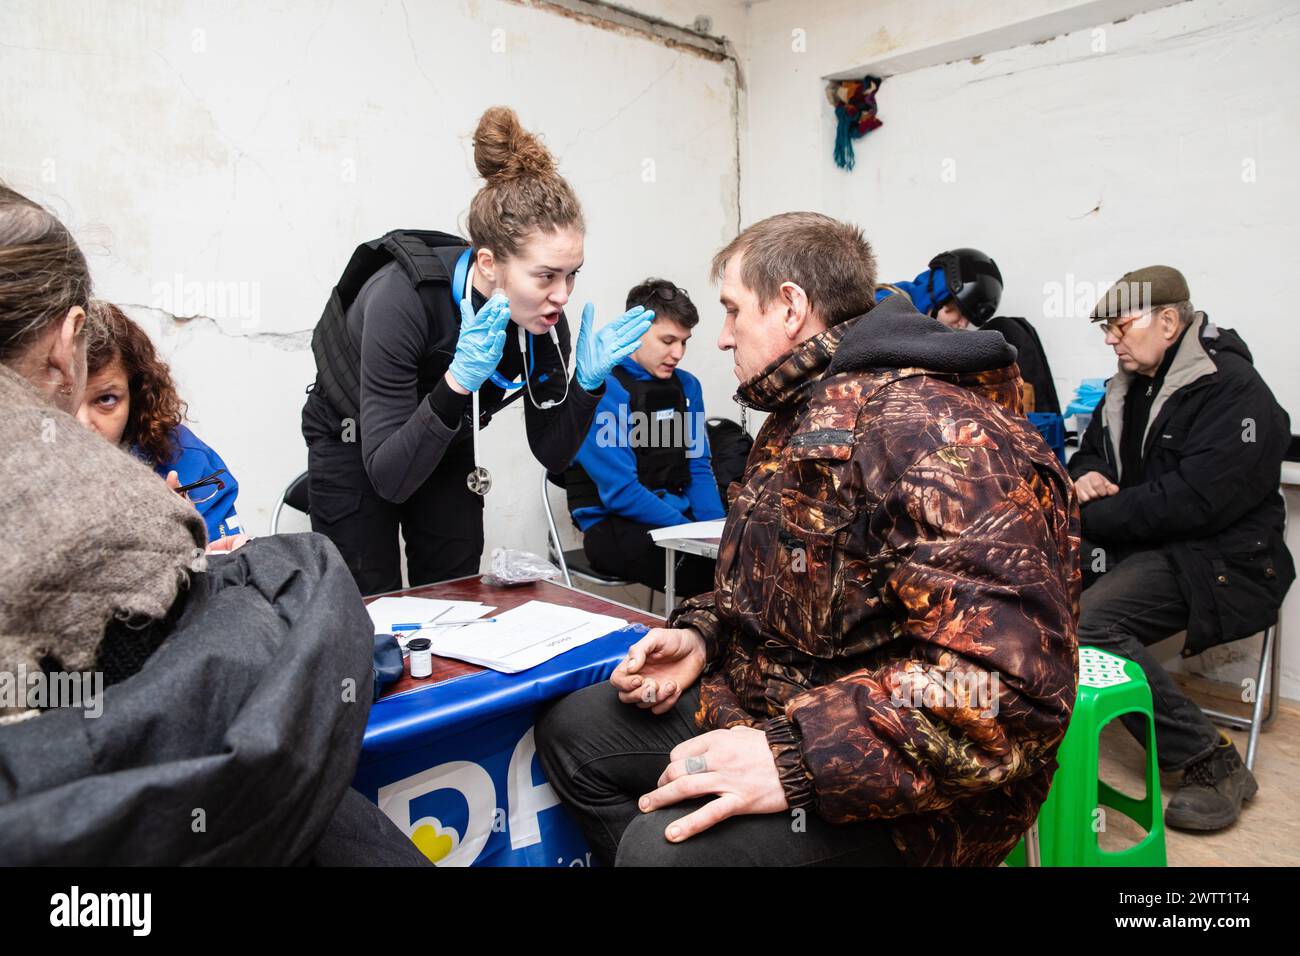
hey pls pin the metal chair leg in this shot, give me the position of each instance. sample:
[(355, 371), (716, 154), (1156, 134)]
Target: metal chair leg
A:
[(1265, 671), (1275, 673), (670, 580), (553, 533), (1033, 853), (1268, 670)]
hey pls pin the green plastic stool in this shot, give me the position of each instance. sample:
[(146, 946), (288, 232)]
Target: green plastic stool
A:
[(1108, 687)]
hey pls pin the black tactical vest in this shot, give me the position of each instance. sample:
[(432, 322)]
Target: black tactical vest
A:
[(423, 255), (657, 423)]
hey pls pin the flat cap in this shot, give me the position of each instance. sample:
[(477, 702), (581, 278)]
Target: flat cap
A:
[(1140, 290)]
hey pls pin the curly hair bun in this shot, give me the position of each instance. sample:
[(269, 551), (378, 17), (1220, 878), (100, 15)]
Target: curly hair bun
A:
[(504, 150)]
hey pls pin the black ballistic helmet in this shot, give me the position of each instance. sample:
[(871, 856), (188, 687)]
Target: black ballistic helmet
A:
[(974, 281)]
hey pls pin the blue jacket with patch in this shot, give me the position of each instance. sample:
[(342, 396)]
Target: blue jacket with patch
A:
[(193, 459), (612, 464)]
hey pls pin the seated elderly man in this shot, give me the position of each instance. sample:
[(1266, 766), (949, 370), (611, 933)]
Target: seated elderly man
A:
[(1178, 476), (887, 664)]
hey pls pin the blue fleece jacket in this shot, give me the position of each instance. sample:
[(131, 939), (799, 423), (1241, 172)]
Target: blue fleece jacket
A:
[(193, 459), (612, 464)]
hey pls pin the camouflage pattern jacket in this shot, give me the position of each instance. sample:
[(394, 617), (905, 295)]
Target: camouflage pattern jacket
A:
[(897, 587)]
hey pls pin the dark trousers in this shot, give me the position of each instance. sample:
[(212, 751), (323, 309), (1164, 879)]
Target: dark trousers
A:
[(625, 549), (601, 755), (442, 522), (1134, 604)]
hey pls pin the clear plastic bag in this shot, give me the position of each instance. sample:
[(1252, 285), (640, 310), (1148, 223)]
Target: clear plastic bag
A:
[(510, 567)]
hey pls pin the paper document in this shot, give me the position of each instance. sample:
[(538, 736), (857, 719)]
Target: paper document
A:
[(701, 530), (523, 637), (387, 612)]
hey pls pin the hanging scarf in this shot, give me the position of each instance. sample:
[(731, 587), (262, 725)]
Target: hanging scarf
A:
[(855, 114)]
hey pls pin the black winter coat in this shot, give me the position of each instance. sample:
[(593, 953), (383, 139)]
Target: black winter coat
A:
[(1209, 490), (235, 743)]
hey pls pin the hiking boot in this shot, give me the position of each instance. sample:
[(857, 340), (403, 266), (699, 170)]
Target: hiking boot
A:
[(1213, 790)]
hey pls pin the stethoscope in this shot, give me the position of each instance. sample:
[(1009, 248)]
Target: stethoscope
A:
[(480, 479)]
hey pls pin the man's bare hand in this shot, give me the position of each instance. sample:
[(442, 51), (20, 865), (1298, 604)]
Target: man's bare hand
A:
[(735, 764), (659, 667), (1094, 485)]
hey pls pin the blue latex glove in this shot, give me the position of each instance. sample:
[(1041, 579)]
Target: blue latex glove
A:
[(482, 340), (599, 352)]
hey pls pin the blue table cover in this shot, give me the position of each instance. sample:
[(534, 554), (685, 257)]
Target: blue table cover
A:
[(453, 764)]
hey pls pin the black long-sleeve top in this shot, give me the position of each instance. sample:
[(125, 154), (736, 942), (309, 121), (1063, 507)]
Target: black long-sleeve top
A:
[(410, 416)]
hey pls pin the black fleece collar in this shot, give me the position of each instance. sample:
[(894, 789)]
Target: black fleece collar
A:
[(894, 335)]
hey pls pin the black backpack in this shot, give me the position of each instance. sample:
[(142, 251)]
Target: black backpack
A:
[(338, 359), (729, 445)]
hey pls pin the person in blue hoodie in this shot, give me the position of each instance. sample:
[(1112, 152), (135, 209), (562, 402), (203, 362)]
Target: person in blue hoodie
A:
[(645, 463), (961, 288), (130, 400)]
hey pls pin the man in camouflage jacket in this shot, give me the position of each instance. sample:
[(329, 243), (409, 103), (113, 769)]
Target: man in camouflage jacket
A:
[(894, 612)]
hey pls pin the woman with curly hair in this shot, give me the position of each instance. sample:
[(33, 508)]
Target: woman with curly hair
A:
[(130, 399)]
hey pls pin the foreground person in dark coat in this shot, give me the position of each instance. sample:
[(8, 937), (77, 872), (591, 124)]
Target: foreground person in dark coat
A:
[(1178, 475), (234, 743), (227, 730), (158, 705)]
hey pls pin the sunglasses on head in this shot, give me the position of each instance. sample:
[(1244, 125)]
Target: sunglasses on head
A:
[(664, 294)]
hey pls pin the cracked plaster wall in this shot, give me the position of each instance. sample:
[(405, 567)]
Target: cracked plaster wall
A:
[(220, 161)]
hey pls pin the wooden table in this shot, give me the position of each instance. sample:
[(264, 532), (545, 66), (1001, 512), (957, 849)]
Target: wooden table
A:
[(472, 588)]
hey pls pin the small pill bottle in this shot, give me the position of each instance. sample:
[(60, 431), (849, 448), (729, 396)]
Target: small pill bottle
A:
[(421, 656)]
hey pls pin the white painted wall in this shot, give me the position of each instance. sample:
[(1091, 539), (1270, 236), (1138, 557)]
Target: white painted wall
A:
[(1070, 161), (257, 144)]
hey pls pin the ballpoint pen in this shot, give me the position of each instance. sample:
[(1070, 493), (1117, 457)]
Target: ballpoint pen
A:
[(421, 627)]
